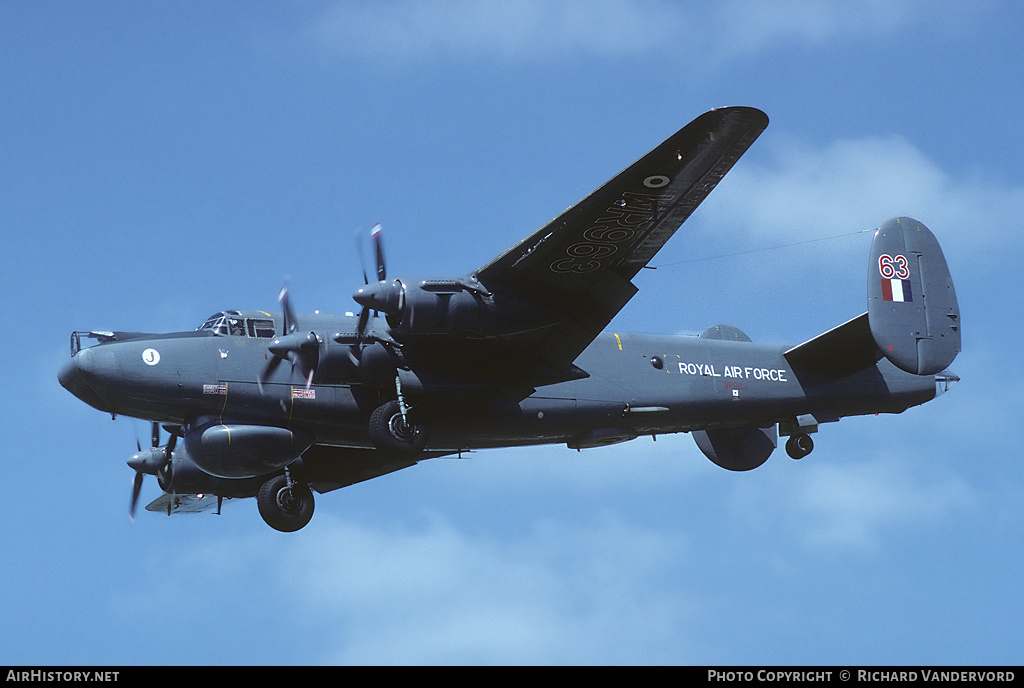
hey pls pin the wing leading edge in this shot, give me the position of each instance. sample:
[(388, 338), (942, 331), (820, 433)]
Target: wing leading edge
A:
[(581, 263)]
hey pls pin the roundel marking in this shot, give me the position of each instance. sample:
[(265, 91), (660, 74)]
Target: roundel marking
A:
[(656, 181), (151, 356)]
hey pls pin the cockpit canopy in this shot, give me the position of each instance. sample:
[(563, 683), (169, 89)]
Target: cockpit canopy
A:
[(240, 324)]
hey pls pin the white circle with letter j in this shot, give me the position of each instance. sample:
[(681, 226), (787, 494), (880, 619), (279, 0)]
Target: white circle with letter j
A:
[(151, 356)]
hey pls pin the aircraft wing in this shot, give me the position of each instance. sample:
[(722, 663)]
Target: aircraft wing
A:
[(581, 263), (328, 468)]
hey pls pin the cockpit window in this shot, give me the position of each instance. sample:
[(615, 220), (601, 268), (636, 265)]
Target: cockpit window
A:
[(216, 323), (235, 324)]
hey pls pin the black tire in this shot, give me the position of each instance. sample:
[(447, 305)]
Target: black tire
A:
[(284, 508), (391, 433), (799, 446)]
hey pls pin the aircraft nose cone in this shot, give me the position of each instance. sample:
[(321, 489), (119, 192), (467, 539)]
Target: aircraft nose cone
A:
[(75, 370), (78, 376)]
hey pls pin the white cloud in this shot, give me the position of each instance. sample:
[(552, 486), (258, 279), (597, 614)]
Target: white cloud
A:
[(429, 594), (855, 506), (525, 29), (739, 26), (403, 30), (849, 184), (856, 184)]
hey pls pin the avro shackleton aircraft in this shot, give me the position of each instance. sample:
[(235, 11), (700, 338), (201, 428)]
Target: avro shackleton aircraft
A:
[(513, 354)]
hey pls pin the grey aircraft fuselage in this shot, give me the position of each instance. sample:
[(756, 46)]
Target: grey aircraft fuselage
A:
[(638, 385)]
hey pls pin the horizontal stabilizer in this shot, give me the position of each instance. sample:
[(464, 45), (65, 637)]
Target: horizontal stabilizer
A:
[(841, 351), (182, 504), (912, 307)]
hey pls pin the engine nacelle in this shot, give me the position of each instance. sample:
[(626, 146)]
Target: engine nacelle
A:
[(426, 311), (238, 450), (462, 308), (737, 449), (183, 476)]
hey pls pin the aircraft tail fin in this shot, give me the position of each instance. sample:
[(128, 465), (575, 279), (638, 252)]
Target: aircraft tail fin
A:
[(913, 318), (912, 307)]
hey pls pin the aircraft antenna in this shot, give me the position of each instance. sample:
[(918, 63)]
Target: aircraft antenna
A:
[(764, 248)]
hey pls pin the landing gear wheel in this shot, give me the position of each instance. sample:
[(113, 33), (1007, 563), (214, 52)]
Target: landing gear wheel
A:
[(285, 508), (799, 446), (390, 432)]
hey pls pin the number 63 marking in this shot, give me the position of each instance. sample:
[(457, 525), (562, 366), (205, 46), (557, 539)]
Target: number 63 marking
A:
[(890, 266)]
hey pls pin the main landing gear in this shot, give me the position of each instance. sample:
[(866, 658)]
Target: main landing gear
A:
[(800, 445), (392, 431), (284, 504)]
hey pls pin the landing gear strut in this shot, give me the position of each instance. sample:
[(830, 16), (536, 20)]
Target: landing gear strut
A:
[(800, 445), (284, 504)]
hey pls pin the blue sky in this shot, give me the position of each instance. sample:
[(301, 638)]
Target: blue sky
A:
[(161, 162)]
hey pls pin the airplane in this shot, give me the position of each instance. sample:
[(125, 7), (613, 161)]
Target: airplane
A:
[(514, 354)]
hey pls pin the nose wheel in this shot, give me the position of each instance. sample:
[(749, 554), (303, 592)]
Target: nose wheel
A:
[(284, 504)]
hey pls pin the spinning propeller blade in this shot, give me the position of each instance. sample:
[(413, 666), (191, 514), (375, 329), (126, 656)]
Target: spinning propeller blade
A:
[(136, 489), (378, 251), (289, 324), (154, 461), (360, 254)]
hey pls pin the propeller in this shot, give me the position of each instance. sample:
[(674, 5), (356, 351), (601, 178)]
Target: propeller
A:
[(153, 461), (365, 333), (299, 349), (380, 296)]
